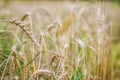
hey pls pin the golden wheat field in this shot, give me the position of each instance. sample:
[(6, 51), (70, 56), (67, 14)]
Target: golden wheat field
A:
[(59, 40)]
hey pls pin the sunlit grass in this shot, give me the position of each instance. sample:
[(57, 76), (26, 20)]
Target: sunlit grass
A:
[(72, 43)]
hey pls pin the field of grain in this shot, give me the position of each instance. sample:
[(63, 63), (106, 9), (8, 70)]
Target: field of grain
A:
[(59, 40)]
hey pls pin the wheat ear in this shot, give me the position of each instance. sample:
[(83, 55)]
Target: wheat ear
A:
[(28, 33), (26, 30), (65, 25), (13, 65)]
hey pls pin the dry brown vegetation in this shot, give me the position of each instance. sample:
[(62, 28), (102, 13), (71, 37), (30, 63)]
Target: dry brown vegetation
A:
[(57, 41)]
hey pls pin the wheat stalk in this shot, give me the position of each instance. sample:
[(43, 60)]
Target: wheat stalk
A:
[(24, 75), (65, 25), (27, 31), (13, 65), (24, 28)]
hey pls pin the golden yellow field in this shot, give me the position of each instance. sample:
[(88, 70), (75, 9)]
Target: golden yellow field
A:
[(59, 40)]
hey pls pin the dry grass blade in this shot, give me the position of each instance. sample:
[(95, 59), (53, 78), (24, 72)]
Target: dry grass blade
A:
[(65, 25), (32, 59), (2, 63)]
